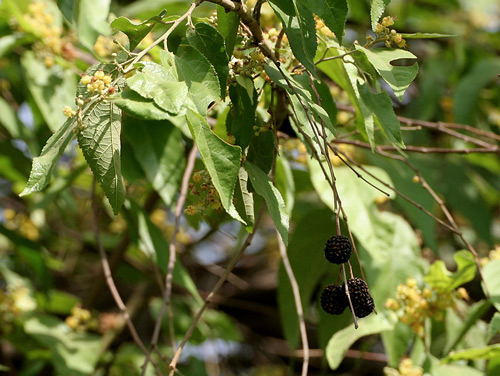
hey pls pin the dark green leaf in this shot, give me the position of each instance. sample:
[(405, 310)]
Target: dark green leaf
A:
[(227, 24), (136, 31), (380, 105), (206, 39), (241, 119), (275, 204), (221, 159), (300, 27), (332, 12), (100, 144)]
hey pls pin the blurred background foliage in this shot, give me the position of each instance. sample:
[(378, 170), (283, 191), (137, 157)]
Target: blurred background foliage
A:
[(56, 314)]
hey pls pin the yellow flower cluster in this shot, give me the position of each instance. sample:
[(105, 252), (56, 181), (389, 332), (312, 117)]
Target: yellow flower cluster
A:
[(20, 222), (248, 66), (493, 255), (68, 112), (204, 192), (80, 319), (392, 37), (98, 83), (106, 46), (405, 368), (415, 305), (322, 29)]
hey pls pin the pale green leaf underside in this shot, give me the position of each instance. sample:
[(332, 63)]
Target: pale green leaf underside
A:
[(100, 143), (275, 204), (43, 165)]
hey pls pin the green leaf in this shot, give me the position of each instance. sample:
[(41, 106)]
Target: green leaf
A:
[(488, 352), (275, 204), (426, 35), (455, 370), (380, 105), (12, 123), (300, 27), (44, 165), (136, 31), (284, 182), (100, 144), (72, 353), (241, 118), (343, 339), (247, 198), (52, 88), (92, 21), (221, 159), (492, 278), (159, 150), (155, 246), (376, 11), (494, 327), (398, 77), (138, 106), (67, 8), (206, 39), (332, 12), (199, 75), (443, 281), (227, 24)]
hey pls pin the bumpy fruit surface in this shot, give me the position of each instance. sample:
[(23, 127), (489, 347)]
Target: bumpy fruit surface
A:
[(338, 249), (333, 299), (362, 302)]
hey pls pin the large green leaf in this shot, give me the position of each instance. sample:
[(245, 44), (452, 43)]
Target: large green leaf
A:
[(44, 164), (136, 31), (206, 39), (92, 21), (284, 182), (138, 106), (380, 105), (100, 144), (342, 340), (300, 27), (227, 24), (398, 77), (221, 159), (52, 88), (71, 353), (275, 204), (241, 118), (333, 13), (156, 247)]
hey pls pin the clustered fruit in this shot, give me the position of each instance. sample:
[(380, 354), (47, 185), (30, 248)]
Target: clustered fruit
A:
[(202, 189), (247, 65), (415, 305), (405, 368), (98, 83), (80, 319), (334, 299), (391, 37)]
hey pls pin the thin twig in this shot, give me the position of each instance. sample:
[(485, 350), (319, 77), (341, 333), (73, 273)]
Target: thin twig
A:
[(172, 256), (208, 299), (298, 303), (111, 283)]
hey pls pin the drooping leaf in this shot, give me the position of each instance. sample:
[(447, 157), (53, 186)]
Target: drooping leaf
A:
[(221, 159), (136, 31), (206, 39), (52, 88), (159, 150), (100, 144), (241, 118), (43, 165), (92, 21), (300, 27), (275, 204), (136, 105), (398, 77), (332, 12), (261, 151), (380, 105), (155, 246), (342, 340), (227, 24), (284, 182), (247, 198)]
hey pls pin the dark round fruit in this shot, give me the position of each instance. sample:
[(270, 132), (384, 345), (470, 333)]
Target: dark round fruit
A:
[(362, 302), (338, 249), (333, 299)]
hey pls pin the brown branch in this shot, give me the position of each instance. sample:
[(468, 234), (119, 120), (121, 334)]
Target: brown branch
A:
[(172, 256)]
